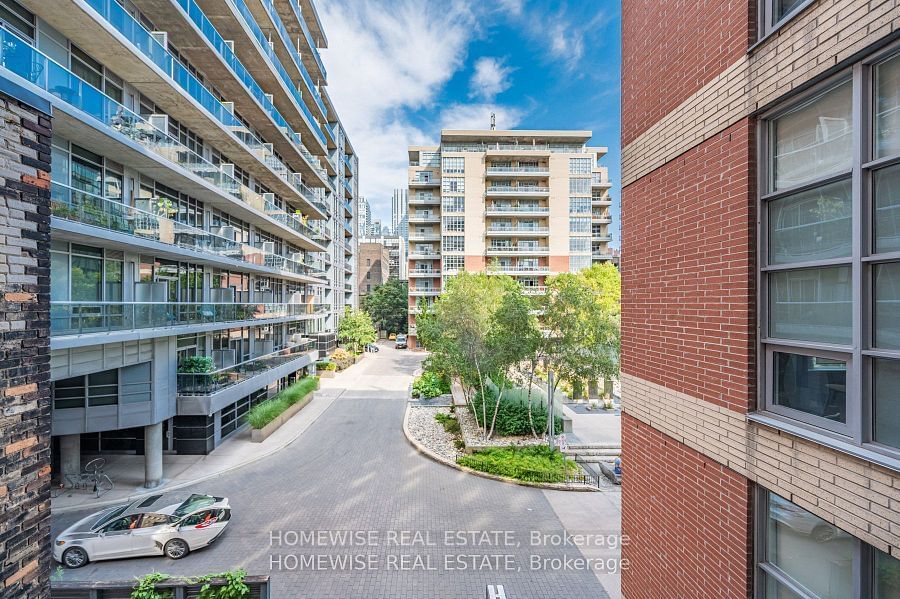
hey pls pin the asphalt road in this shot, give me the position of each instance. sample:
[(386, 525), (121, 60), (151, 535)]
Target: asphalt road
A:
[(351, 510)]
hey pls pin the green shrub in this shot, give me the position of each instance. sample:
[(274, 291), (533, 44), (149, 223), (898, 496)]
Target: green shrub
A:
[(430, 385), (451, 424), (265, 412), (536, 463), (196, 365), (326, 366), (512, 416)]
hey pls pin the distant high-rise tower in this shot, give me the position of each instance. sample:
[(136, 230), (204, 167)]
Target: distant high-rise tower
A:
[(365, 217), (398, 209)]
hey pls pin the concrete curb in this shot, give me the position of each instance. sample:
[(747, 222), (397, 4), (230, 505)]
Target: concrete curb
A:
[(504, 479), (181, 485)]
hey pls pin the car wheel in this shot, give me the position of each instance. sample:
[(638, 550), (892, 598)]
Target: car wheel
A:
[(75, 557), (176, 549), (823, 534)]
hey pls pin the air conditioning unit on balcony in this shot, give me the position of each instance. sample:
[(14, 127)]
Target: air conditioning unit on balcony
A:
[(268, 246), (226, 232)]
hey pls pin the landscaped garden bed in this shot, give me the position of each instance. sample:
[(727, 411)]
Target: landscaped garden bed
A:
[(425, 426), (537, 464), (266, 417)]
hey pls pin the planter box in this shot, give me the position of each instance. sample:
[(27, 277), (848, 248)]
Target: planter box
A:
[(258, 435)]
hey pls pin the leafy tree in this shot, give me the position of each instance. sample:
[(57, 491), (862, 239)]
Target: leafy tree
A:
[(356, 329), (606, 280), (387, 304)]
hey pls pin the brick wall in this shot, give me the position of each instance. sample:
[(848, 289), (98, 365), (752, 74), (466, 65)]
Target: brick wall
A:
[(24, 350), (688, 302), (690, 42), (686, 519)]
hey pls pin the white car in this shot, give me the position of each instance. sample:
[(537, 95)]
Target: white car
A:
[(145, 527)]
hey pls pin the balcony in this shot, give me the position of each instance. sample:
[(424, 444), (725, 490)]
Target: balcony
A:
[(602, 256), (517, 190), (601, 219), (425, 201), (598, 182), (601, 201), (311, 58), (518, 171), (415, 236), (515, 269), (601, 238), (518, 231), (120, 123), (517, 250), (517, 211), (419, 217), (82, 318), (417, 254), (70, 204), (424, 292), (424, 183), (423, 272), (262, 367), (534, 289)]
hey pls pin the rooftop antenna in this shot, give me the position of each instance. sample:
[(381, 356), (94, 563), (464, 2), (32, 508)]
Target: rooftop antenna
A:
[(493, 121)]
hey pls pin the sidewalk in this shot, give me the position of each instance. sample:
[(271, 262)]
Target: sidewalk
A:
[(127, 471)]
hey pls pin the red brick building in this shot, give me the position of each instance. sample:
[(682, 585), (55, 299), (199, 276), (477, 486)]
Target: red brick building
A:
[(761, 298)]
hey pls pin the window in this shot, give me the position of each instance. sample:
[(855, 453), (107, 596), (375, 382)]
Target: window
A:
[(579, 205), (579, 244), (577, 263), (454, 204), (579, 166), (454, 263), (579, 224), (453, 243), (830, 286), (454, 223), (773, 13), (453, 185), (580, 186), (429, 158), (454, 164), (797, 551), (17, 19)]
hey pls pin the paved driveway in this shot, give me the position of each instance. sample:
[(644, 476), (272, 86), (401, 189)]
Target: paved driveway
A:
[(353, 471)]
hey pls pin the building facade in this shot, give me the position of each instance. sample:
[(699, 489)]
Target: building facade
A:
[(363, 216), (396, 249), (761, 184), (374, 267), (521, 203), (203, 198), (399, 213)]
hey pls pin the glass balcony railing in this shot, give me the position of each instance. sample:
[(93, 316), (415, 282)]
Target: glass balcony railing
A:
[(79, 318), (515, 209), (519, 229), (267, 48), (119, 18), (212, 382), (491, 170), (27, 62), (87, 208), (518, 249), (309, 38), (517, 189)]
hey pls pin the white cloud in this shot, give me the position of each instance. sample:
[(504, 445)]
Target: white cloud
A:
[(513, 7), (490, 78)]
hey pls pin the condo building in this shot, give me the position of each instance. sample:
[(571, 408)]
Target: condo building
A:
[(202, 199), (528, 204), (761, 279)]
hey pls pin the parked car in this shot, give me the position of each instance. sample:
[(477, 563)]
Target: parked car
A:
[(145, 527), (401, 341), (392, 337)]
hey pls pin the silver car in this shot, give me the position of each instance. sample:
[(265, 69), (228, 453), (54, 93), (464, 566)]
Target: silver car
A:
[(146, 527)]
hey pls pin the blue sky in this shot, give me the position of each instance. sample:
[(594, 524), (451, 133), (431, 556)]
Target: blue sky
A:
[(400, 70)]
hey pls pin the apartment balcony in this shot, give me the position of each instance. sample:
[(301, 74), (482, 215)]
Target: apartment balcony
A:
[(234, 20), (145, 229), (517, 211), (602, 256), (423, 184), (518, 171), (509, 269), (534, 289), (426, 292), (598, 182), (423, 273), (601, 219), (517, 231), (156, 319), (104, 126), (209, 52), (255, 373), (426, 201), (424, 255), (135, 50), (601, 238), (605, 201), (521, 191), (517, 250), (348, 287), (424, 218), (414, 236)]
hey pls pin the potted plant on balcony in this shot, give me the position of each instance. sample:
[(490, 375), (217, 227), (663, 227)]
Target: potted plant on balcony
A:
[(200, 366)]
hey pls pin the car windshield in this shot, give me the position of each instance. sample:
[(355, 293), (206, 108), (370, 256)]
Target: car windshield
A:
[(193, 503), (401, 337), (108, 515)]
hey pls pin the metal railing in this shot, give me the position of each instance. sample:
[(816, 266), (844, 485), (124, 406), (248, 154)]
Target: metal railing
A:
[(517, 189), (500, 268), (77, 318), (208, 383), (86, 208), (176, 588), (517, 209), (518, 249), (519, 229), (517, 169)]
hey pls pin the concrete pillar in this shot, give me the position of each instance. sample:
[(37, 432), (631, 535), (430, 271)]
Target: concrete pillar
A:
[(153, 454), (608, 387), (69, 456), (593, 389)]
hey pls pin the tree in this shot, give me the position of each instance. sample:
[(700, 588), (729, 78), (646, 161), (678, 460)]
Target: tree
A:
[(356, 329), (606, 280), (387, 304)]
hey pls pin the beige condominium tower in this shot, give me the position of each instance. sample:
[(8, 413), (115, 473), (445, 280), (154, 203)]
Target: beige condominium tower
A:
[(524, 203)]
